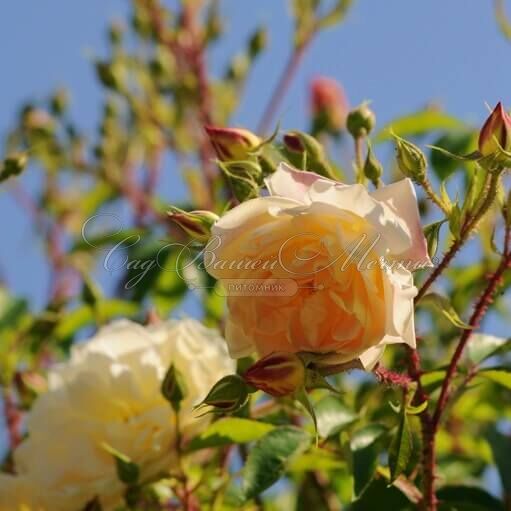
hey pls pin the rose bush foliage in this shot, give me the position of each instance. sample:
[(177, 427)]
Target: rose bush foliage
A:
[(344, 342)]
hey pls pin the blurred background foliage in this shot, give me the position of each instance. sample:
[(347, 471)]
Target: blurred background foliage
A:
[(115, 181)]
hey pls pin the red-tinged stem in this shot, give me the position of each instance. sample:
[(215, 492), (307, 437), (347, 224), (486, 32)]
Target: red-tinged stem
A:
[(13, 420), (282, 86), (480, 309), (388, 377), (430, 424), (444, 263)]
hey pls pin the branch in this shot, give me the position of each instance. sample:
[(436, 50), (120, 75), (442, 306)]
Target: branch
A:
[(283, 84), (480, 310)]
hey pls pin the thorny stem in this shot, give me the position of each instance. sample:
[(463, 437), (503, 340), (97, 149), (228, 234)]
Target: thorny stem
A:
[(430, 422), (426, 186), (480, 309), (469, 225)]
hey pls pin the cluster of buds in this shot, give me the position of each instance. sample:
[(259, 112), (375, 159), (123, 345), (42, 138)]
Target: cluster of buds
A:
[(329, 106), (233, 144)]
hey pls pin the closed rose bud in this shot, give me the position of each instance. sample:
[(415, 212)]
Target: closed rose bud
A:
[(277, 374), (360, 121), (228, 395), (232, 144), (329, 105), (197, 224), (293, 142), (410, 159), (495, 132)]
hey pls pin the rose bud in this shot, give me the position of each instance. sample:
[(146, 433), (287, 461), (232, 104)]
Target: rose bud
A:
[(410, 159), (232, 144), (277, 374), (360, 121), (495, 132), (227, 395), (329, 105), (197, 224), (293, 142)]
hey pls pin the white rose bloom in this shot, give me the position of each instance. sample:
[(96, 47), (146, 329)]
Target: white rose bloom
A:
[(109, 393)]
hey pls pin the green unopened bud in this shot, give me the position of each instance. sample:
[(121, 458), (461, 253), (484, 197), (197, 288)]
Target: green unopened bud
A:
[(13, 165), (373, 169), (360, 121), (245, 178), (173, 387), (197, 224), (410, 159), (228, 395), (257, 42), (303, 150), (116, 32), (59, 102)]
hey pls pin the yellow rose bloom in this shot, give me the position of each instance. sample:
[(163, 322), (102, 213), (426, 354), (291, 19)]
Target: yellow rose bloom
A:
[(348, 253)]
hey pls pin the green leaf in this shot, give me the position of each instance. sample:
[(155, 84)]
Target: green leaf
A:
[(379, 495), (84, 316), (127, 471), (467, 498), (400, 449), (500, 375), (443, 305), (433, 379), (432, 233), (268, 458), (230, 430), (316, 459), (457, 143), (333, 416), (418, 123), (501, 448), (483, 346), (365, 447)]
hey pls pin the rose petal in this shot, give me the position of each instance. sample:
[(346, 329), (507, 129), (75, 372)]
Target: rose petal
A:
[(289, 182), (401, 198), (356, 199)]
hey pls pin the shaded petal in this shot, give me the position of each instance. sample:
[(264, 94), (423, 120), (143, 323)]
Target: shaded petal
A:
[(401, 198), (356, 199), (371, 357), (289, 182)]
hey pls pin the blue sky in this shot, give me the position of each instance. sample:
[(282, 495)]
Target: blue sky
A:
[(400, 54), (397, 53)]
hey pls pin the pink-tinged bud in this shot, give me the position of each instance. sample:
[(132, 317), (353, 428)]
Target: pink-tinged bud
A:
[(293, 142), (197, 224), (233, 144), (496, 131), (277, 374), (329, 105)]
